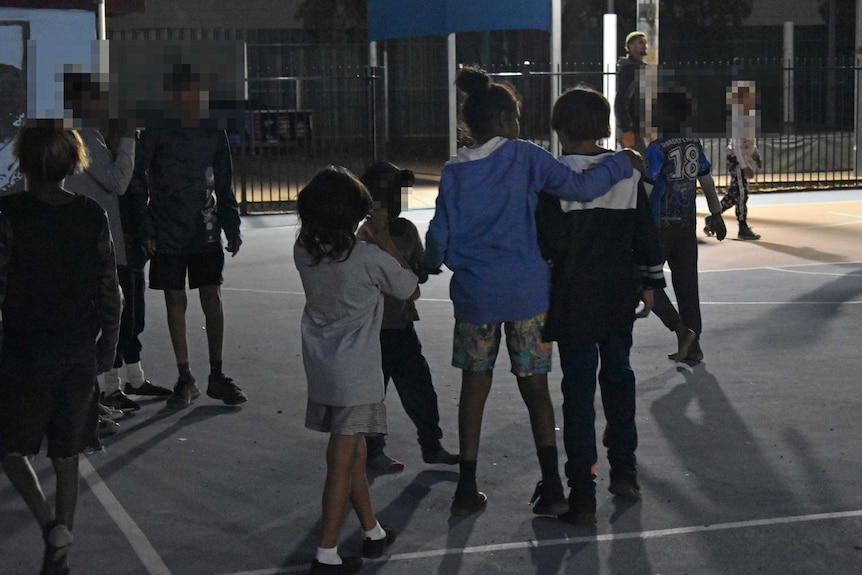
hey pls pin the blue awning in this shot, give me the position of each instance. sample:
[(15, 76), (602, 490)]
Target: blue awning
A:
[(390, 19)]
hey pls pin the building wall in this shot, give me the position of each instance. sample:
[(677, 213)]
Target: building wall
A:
[(243, 14), (776, 12)]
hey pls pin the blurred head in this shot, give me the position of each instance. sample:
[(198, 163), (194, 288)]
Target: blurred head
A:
[(742, 94), (330, 208), (189, 96), (49, 154), (86, 97), (386, 182), (491, 108), (582, 114), (672, 111), (637, 45)]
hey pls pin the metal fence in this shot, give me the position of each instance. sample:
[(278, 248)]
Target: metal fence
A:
[(352, 115)]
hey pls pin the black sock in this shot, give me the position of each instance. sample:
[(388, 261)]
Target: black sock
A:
[(215, 368), (185, 372), (549, 464), (468, 472)]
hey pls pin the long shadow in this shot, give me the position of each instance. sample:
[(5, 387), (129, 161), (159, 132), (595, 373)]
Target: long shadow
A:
[(803, 252), (196, 415), (628, 557), (713, 449), (561, 558)]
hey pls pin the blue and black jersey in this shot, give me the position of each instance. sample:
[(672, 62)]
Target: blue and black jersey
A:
[(674, 163)]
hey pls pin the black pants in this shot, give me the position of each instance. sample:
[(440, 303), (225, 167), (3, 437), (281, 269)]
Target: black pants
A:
[(133, 286), (404, 363), (679, 248)]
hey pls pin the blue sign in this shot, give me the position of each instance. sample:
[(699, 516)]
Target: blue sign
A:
[(390, 19)]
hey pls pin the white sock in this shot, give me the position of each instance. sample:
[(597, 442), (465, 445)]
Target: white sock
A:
[(111, 381), (328, 556), (376, 533), (135, 374)]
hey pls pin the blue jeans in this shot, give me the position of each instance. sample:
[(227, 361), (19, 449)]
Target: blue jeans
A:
[(617, 383)]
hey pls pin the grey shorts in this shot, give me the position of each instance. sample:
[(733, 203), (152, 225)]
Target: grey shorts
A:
[(368, 419)]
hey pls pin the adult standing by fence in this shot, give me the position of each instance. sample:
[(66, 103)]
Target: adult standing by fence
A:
[(628, 103)]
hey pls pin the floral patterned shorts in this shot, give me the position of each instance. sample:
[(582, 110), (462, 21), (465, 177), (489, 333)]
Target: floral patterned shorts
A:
[(475, 346)]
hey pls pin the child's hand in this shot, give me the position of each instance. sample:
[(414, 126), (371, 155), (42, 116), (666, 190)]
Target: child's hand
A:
[(646, 296), (636, 159), (627, 139), (233, 245), (104, 355), (716, 222)]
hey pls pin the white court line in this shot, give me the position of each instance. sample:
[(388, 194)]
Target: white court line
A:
[(533, 544), (150, 559)]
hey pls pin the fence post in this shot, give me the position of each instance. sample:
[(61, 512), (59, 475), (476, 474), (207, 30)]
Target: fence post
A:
[(787, 77), (376, 118)]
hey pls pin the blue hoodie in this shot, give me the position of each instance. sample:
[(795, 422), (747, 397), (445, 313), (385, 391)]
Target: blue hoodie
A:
[(484, 227)]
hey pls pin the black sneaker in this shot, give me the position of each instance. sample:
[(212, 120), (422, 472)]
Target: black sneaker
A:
[(184, 392), (439, 456), (468, 500), (223, 388), (348, 565), (119, 400), (146, 388), (107, 426), (625, 487), (548, 498), (581, 511), (374, 548), (746, 233)]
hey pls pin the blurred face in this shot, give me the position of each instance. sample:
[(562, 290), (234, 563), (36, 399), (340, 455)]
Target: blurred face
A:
[(638, 48)]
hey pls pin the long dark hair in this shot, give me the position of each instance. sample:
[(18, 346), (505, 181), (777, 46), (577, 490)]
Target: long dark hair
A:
[(329, 208), (486, 101)]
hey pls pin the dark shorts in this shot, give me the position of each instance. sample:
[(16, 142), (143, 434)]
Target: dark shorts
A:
[(60, 404), (168, 272)]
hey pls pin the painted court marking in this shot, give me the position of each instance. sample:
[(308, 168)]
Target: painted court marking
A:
[(533, 544), (150, 559)]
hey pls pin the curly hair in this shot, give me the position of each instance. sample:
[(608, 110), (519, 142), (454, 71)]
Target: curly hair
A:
[(329, 209)]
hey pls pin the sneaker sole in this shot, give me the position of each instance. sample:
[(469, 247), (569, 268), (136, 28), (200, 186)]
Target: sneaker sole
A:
[(227, 400), (464, 511)]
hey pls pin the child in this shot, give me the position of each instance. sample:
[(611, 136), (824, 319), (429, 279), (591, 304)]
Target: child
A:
[(344, 282), (61, 313), (402, 352), (743, 159), (676, 163), (605, 256), (484, 230)]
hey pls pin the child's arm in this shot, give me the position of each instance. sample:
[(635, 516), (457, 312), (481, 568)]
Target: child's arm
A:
[(109, 302), (417, 256), (139, 194), (562, 181), (437, 238), (112, 174), (376, 231), (717, 222)]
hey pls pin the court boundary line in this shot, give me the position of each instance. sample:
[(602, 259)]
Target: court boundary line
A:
[(603, 538)]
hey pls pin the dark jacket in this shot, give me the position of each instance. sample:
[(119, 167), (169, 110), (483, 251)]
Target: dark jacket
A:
[(600, 253), (627, 105), (182, 188)]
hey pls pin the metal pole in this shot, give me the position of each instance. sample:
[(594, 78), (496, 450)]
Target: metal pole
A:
[(787, 78), (857, 72), (453, 95), (609, 68), (556, 65), (101, 29)]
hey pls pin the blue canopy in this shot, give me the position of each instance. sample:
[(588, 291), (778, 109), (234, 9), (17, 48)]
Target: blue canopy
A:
[(390, 19)]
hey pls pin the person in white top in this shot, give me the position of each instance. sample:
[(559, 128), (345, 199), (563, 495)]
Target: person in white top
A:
[(743, 158)]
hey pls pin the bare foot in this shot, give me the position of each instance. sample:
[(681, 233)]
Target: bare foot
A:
[(684, 337)]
